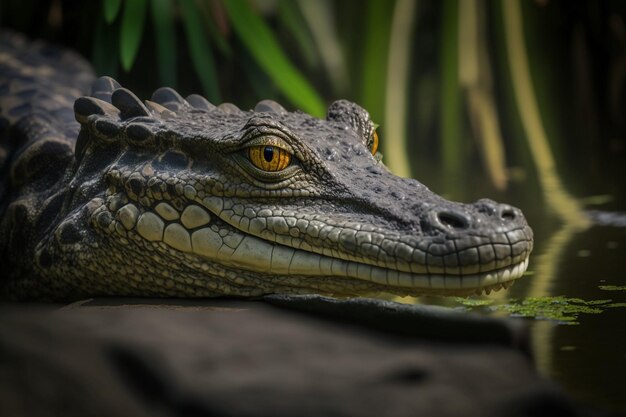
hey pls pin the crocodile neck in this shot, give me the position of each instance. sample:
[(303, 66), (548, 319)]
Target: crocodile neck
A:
[(178, 197)]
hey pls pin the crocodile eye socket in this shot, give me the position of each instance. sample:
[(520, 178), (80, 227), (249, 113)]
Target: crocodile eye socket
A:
[(373, 143), (269, 158)]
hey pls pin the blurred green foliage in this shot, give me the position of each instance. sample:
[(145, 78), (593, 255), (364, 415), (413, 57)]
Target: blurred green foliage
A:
[(260, 41), (307, 53)]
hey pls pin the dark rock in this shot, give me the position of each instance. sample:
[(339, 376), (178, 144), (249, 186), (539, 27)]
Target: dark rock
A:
[(225, 358)]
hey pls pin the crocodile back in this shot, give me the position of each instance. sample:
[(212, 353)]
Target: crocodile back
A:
[(38, 86)]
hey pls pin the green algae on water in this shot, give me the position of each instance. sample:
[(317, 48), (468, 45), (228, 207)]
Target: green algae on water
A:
[(560, 308), (612, 287), (473, 302)]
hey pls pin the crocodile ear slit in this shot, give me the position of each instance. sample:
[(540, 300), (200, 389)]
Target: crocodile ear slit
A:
[(169, 98), (128, 104), (199, 102), (103, 87), (86, 106)]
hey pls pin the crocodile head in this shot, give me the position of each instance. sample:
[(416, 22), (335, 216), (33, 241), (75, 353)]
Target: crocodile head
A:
[(179, 197)]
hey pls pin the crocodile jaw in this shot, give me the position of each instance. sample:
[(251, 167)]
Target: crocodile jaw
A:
[(218, 251)]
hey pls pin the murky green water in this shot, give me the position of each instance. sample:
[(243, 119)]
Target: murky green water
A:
[(574, 299), (587, 352)]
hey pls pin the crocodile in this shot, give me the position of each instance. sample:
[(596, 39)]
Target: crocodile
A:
[(106, 194)]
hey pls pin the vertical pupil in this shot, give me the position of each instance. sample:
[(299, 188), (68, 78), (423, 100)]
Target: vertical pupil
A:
[(268, 153)]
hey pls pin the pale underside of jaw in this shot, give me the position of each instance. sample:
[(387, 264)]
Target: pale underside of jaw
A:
[(281, 260), (192, 233)]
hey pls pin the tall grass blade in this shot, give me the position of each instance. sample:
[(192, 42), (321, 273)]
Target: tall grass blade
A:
[(105, 56), (262, 85), (111, 10), (452, 146), (201, 55), (374, 65), (524, 92), (321, 21), (133, 19), (475, 80), (215, 24), (395, 143), (291, 17), (262, 44), (165, 38)]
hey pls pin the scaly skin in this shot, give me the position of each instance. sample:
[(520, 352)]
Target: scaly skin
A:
[(164, 199)]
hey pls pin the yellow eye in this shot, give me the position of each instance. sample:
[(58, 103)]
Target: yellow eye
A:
[(374, 143), (269, 158)]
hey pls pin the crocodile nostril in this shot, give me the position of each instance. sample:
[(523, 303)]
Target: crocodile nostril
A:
[(507, 213), (452, 220)]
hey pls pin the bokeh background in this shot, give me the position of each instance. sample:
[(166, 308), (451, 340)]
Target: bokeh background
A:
[(522, 101), (506, 92)]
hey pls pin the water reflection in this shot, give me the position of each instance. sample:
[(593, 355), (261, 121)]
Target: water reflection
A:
[(576, 260), (574, 299), (546, 271), (551, 260), (589, 359)]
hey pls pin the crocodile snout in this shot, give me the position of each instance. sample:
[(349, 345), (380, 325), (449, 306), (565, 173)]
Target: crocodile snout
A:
[(484, 214)]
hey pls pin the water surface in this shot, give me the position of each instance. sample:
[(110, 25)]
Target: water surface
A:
[(574, 299)]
